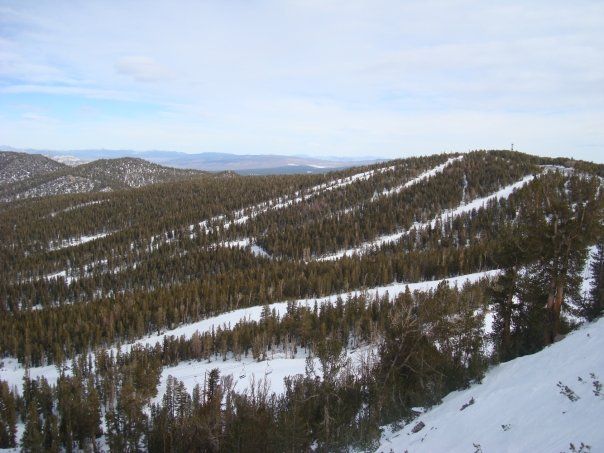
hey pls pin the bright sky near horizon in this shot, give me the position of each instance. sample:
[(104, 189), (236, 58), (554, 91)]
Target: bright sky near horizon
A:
[(335, 78)]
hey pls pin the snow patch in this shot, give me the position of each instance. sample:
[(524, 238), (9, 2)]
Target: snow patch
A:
[(422, 177), (72, 242)]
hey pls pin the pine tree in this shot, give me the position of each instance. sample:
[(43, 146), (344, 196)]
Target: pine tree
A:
[(51, 434), (8, 416), (593, 305), (32, 441), (564, 218), (502, 294)]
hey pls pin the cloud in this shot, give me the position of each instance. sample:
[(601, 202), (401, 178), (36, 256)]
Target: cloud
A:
[(349, 77), (37, 117), (142, 69), (94, 93)]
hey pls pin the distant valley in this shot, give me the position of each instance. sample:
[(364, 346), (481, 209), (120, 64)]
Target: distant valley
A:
[(248, 164)]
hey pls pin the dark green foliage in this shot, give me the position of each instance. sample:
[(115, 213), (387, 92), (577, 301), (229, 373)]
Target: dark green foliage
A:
[(592, 305), (543, 257), (564, 218), (33, 440), (8, 416)]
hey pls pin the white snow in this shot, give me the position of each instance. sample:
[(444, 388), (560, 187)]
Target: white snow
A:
[(244, 243), (72, 242), (423, 176), (73, 274), (238, 243), (259, 251), (248, 372), (519, 406), (587, 277), (447, 215), (502, 193), (77, 206), (12, 372), (56, 275)]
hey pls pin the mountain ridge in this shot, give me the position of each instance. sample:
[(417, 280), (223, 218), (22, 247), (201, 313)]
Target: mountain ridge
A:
[(25, 175), (214, 161)]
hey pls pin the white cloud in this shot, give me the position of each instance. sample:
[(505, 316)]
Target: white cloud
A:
[(142, 69)]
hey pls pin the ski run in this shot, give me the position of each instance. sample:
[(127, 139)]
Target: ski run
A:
[(13, 372), (244, 215), (445, 216)]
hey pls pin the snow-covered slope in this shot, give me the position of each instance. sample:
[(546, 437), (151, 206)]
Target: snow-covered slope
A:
[(248, 373), (537, 403), (16, 167), (422, 177), (27, 176)]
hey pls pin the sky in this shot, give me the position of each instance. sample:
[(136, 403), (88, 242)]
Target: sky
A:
[(321, 78)]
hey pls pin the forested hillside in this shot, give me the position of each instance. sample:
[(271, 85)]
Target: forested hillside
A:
[(25, 176), (195, 312), (19, 166)]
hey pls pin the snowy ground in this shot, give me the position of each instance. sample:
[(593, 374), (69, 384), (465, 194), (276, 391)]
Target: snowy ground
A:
[(244, 243), (586, 274), (521, 405), (72, 242), (248, 372), (12, 372)]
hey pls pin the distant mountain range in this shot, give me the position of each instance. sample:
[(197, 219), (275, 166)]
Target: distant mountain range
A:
[(241, 163)]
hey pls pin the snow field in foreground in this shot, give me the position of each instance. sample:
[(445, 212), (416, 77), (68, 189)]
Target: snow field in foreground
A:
[(521, 405)]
